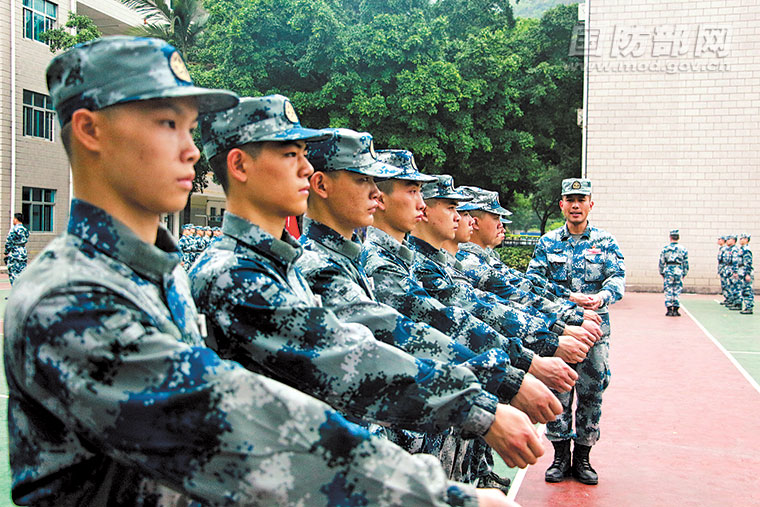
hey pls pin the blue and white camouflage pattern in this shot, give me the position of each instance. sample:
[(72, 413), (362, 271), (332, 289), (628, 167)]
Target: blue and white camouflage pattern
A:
[(593, 264), (118, 69), (579, 186), (673, 267), (261, 313), (114, 399), (746, 274), (404, 159), (484, 200), (254, 120), (15, 255), (348, 150), (443, 188)]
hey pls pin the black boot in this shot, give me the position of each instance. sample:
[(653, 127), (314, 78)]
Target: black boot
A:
[(582, 467), (669, 313), (560, 467), (675, 312)]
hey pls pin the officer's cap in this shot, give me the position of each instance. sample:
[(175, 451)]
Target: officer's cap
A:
[(443, 188), (484, 200), (115, 70), (404, 160), (254, 120), (581, 186), (348, 150)]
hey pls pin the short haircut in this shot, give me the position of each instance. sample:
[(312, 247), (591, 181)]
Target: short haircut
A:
[(19, 217), (219, 162), (66, 138), (386, 186)]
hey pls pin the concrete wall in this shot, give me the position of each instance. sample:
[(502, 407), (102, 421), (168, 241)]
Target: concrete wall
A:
[(673, 122)]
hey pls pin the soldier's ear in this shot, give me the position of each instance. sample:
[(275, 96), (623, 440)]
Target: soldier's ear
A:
[(237, 168), (86, 129), (381, 201), (475, 223), (319, 184)]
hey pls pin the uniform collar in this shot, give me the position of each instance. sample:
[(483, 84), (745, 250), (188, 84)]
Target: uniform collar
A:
[(384, 240), (286, 249), (113, 238), (565, 234), (330, 238), (427, 250), (475, 249)]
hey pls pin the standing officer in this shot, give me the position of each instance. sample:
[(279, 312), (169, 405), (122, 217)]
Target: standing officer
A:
[(746, 275), (588, 260), (113, 397), (15, 247), (674, 266)]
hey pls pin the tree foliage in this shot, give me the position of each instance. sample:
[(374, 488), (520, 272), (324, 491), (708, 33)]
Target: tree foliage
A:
[(59, 38), (460, 83), (178, 22)]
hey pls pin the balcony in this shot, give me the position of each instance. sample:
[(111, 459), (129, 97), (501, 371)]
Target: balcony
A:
[(111, 16)]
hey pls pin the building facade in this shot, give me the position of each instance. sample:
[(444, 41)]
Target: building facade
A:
[(672, 128)]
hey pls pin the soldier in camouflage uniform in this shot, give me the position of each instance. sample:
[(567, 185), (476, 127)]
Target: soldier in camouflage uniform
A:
[(342, 199), (263, 314), (733, 259), (746, 275), (113, 398), (721, 267), (583, 259), (15, 256), (186, 245), (673, 266)]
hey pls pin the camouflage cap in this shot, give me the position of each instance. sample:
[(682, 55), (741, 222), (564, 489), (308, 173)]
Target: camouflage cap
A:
[(504, 220), (187, 227), (731, 236), (484, 200), (674, 232), (745, 235), (348, 150), (580, 186), (254, 120), (115, 70), (404, 159), (443, 188)]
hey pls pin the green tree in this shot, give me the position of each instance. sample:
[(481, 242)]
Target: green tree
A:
[(178, 22), (59, 38)]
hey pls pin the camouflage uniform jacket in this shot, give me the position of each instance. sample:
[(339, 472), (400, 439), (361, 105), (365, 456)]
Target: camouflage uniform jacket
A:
[(430, 269), (674, 260), (723, 259), (263, 315), (114, 399), (592, 265), (733, 258), (388, 263), (478, 265), (454, 269), (187, 248), (15, 243), (330, 264), (745, 261)]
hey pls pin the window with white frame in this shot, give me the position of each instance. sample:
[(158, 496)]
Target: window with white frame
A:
[(38, 205), (39, 115), (39, 16)]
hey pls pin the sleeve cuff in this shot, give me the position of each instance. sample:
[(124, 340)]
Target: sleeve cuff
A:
[(481, 415)]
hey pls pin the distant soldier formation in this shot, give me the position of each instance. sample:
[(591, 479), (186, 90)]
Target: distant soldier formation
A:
[(194, 240), (736, 273)]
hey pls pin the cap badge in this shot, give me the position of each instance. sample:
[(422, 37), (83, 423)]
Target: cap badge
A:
[(178, 67), (290, 112), (576, 185)]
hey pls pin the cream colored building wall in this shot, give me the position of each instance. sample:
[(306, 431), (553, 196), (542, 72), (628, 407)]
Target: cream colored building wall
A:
[(674, 142)]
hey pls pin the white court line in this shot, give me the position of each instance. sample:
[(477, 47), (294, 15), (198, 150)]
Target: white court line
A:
[(517, 482), (731, 358), (744, 352)]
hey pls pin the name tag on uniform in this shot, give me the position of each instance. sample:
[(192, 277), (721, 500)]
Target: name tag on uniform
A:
[(316, 299), (202, 325), (593, 251)]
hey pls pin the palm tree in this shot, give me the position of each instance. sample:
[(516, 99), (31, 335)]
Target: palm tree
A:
[(178, 22)]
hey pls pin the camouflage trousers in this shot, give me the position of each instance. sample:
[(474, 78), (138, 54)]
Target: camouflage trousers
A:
[(672, 285), (15, 268), (593, 379), (747, 293), (723, 282), (461, 459), (734, 291)]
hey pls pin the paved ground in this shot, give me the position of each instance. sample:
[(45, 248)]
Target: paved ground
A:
[(680, 418)]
